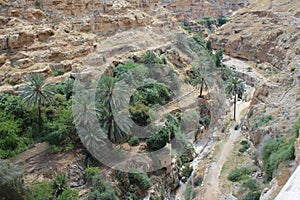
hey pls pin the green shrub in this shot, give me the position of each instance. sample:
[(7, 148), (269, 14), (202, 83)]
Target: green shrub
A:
[(245, 147), (40, 191), (11, 181), (296, 127), (242, 173), (59, 184), (141, 180), (276, 151), (250, 184), (159, 140), (262, 120), (101, 190), (91, 171), (69, 194), (293, 68), (187, 171), (58, 72), (189, 193), (121, 70), (252, 196), (150, 58), (134, 141)]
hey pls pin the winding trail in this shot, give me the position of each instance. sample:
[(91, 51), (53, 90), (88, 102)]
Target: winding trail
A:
[(212, 179)]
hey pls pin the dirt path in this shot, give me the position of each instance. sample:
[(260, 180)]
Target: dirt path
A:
[(212, 181)]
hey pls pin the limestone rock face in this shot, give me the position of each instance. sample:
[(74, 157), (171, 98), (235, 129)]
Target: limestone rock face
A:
[(263, 32), (196, 9)]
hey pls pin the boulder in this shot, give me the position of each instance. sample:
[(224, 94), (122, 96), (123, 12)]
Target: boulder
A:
[(15, 78), (76, 174), (21, 39), (3, 58), (44, 34), (24, 63)]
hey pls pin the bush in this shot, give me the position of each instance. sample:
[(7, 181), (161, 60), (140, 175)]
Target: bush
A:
[(120, 70), (91, 171), (252, 196), (69, 194), (276, 151), (134, 141), (239, 174), (58, 72), (245, 147), (262, 120), (59, 184), (150, 58), (296, 127), (251, 185), (101, 190), (189, 193), (187, 171), (11, 181), (159, 140), (141, 180), (39, 191), (293, 68)]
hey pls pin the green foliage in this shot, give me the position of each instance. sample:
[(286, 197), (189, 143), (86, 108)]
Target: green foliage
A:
[(189, 193), (276, 151), (187, 170), (250, 184), (58, 72), (150, 58), (59, 184), (65, 88), (69, 194), (252, 196), (296, 128), (11, 140), (150, 94), (40, 191), (222, 20), (11, 181), (61, 128), (219, 57), (121, 69), (293, 68), (245, 146), (90, 172), (141, 180), (262, 120), (242, 173), (101, 190), (159, 140), (134, 141)]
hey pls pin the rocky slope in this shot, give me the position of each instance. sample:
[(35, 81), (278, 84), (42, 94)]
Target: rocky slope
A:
[(266, 33)]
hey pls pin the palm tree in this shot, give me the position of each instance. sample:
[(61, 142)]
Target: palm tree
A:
[(110, 97), (37, 92), (234, 87), (200, 77)]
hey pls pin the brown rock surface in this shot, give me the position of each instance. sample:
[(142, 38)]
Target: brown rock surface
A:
[(264, 31)]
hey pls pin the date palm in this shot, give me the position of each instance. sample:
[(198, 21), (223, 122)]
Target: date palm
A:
[(37, 92), (110, 97), (200, 79), (234, 87)]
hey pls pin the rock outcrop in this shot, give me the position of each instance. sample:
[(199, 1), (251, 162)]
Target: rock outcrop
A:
[(264, 31)]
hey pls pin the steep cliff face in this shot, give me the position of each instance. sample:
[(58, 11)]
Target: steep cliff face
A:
[(196, 9), (264, 31)]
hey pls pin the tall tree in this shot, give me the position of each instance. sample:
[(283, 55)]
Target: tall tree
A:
[(234, 87), (37, 92), (109, 98), (200, 78)]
